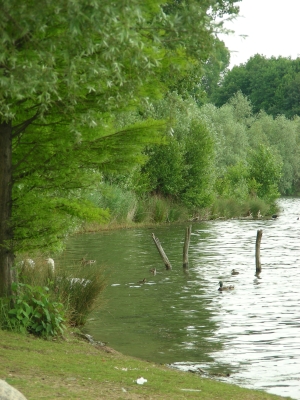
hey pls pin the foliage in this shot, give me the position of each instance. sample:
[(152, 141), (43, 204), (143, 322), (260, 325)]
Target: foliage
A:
[(32, 311), (213, 70), (67, 69), (157, 209), (265, 169), (119, 200), (282, 135), (207, 154), (182, 168), (272, 85), (232, 207), (164, 168), (199, 172), (80, 295), (235, 182), (79, 291), (229, 128), (201, 78)]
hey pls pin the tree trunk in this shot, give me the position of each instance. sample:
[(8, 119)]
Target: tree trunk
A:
[(6, 233)]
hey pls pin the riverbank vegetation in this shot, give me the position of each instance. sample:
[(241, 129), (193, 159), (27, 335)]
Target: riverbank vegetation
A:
[(114, 115), (45, 301), (114, 118), (72, 75)]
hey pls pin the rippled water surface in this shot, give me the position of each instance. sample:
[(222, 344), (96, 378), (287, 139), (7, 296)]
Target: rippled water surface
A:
[(251, 333)]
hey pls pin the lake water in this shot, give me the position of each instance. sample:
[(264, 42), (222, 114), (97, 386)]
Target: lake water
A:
[(250, 333)]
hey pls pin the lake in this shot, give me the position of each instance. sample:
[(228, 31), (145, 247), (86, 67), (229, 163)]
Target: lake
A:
[(248, 336)]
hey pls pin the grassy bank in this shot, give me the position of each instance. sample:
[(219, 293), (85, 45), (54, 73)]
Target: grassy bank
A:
[(127, 210), (75, 369)]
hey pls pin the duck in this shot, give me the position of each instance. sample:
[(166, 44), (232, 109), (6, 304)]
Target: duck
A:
[(221, 288), (153, 271), (87, 262), (28, 263), (234, 272), (274, 216), (259, 214), (50, 263)]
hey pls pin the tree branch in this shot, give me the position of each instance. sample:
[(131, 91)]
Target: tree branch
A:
[(18, 129)]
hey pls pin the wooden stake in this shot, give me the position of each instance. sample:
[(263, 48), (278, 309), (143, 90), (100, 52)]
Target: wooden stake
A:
[(161, 252), (186, 247), (257, 251)]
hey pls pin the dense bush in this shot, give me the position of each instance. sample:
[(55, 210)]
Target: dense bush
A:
[(44, 301), (81, 294), (30, 309)]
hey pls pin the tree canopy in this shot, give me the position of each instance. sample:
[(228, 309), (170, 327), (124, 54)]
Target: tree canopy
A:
[(271, 84), (66, 69)]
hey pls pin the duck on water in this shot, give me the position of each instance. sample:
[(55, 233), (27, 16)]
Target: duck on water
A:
[(234, 272), (222, 288)]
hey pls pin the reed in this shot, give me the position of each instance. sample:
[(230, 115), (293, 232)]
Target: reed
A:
[(80, 291)]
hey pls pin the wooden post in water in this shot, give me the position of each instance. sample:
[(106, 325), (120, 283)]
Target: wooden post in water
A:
[(257, 251), (186, 247), (161, 252)]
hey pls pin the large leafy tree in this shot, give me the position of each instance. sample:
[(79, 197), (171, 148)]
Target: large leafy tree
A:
[(65, 68), (282, 136), (265, 169), (183, 168), (270, 84)]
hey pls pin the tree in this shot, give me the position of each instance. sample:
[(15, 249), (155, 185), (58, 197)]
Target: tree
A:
[(265, 169), (232, 82), (228, 124), (183, 168), (270, 84), (65, 68), (199, 173)]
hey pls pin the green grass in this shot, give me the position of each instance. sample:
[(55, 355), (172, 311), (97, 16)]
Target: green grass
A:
[(71, 368)]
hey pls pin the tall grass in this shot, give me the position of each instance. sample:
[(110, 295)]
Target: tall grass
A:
[(127, 209), (80, 291), (156, 209), (233, 208), (120, 202)]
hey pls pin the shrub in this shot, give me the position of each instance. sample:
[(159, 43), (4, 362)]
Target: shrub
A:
[(30, 309), (78, 288), (80, 295)]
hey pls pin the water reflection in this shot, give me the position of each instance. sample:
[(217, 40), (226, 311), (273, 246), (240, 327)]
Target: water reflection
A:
[(250, 332)]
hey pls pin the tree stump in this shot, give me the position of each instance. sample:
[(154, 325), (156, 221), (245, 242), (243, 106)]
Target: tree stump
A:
[(161, 252), (257, 251)]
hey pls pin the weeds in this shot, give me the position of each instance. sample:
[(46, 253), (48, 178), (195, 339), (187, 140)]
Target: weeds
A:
[(30, 309), (44, 300)]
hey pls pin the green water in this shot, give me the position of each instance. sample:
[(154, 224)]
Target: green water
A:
[(251, 332), (166, 319)]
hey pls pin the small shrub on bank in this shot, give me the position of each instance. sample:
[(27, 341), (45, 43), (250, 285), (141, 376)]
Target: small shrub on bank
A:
[(30, 309), (258, 205), (78, 291), (81, 294), (156, 209), (232, 208)]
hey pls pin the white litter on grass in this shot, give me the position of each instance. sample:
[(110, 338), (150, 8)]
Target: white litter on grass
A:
[(191, 390), (141, 381)]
